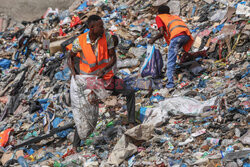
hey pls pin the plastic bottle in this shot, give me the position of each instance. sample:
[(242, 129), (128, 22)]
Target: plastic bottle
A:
[(88, 142), (74, 160), (28, 30), (111, 123), (99, 125)]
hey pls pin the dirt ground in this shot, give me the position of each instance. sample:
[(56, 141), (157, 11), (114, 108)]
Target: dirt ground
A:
[(28, 10)]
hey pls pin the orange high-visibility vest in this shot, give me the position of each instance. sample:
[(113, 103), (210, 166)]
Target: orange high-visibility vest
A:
[(89, 63), (174, 26)]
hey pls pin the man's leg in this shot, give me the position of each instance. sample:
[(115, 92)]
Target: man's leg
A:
[(130, 97), (175, 45), (77, 140), (119, 87)]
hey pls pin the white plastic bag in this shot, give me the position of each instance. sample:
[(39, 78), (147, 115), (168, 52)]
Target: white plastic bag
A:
[(177, 106), (85, 114), (156, 116)]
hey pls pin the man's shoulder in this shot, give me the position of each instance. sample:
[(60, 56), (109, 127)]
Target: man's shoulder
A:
[(83, 34)]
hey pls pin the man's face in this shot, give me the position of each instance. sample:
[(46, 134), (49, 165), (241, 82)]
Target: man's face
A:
[(97, 28)]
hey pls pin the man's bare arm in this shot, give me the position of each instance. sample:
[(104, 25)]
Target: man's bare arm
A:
[(71, 62), (110, 64), (158, 36)]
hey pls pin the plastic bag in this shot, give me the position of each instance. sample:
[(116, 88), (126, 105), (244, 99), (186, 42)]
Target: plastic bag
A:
[(218, 15), (55, 124), (186, 105), (5, 63), (63, 75), (4, 137), (83, 6), (177, 106), (153, 63), (75, 21), (85, 114)]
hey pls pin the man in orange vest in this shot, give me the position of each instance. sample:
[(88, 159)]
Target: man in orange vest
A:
[(176, 34), (96, 50)]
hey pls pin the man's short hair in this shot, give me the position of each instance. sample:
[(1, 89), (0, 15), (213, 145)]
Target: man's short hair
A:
[(163, 9), (93, 18)]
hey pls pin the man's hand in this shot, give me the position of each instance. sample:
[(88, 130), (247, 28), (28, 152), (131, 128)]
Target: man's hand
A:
[(158, 36), (92, 99), (73, 74), (71, 63), (151, 41)]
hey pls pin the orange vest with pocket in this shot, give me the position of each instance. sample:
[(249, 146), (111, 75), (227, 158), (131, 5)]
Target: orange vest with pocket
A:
[(91, 64), (174, 26)]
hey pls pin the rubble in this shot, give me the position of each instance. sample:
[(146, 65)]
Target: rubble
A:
[(203, 121)]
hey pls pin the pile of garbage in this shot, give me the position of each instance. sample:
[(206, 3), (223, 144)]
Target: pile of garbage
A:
[(203, 121)]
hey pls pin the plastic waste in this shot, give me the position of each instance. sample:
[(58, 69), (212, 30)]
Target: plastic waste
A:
[(212, 90), (22, 161), (153, 63), (5, 63), (213, 141), (189, 140), (198, 133), (225, 2), (4, 136), (83, 90), (218, 15), (127, 63), (245, 139), (63, 75)]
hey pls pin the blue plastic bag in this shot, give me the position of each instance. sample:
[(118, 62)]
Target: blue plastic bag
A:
[(63, 75), (153, 63), (5, 63), (83, 6), (55, 124)]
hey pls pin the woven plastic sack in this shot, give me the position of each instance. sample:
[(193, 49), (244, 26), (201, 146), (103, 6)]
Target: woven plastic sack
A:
[(83, 89)]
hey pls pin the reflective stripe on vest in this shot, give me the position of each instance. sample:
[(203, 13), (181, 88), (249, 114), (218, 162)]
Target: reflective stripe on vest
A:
[(92, 73), (172, 22), (93, 64), (178, 26), (82, 58)]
